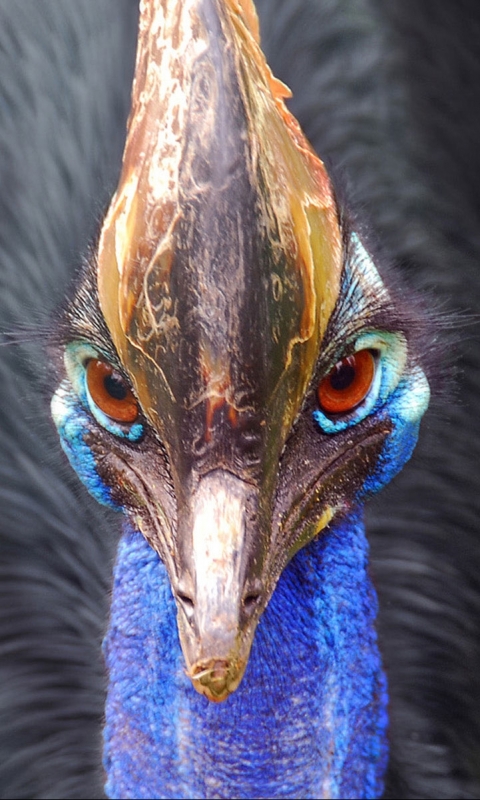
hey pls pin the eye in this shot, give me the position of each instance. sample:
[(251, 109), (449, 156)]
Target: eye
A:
[(347, 384), (110, 392)]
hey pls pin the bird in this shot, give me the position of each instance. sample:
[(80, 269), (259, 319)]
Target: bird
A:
[(54, 554)]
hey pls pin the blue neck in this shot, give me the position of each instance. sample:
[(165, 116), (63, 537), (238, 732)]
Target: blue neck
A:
[(309, 719)]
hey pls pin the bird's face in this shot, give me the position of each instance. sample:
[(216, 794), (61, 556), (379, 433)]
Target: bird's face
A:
[(236, 373)]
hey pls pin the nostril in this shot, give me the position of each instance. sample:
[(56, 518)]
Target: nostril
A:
[(251, 601), (187, 604)]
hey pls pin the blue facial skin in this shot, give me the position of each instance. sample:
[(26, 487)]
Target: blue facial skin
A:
[(399, 397), (405, 409), (72, 408), (73, 422)]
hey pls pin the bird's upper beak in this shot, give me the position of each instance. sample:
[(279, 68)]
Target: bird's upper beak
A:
[(216, 587), (218, 269)]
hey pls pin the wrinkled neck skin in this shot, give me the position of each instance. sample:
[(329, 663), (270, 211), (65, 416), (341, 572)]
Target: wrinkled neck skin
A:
[(309, 719)]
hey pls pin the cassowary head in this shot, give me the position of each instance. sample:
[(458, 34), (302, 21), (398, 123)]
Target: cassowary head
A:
[(236, 374)]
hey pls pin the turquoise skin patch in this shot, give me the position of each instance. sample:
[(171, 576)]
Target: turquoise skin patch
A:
[(405, 409), (391, 357), (71, 408), (73, 423), (399, 391), (77, 355)]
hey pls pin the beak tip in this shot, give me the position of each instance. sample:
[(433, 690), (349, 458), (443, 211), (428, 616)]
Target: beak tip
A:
[(217, 678)]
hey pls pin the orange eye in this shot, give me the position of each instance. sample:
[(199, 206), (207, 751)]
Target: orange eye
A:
[(110, 392), (347, 384)]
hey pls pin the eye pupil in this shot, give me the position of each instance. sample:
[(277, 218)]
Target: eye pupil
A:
[(348, 383), (115, 386), (343, 374)]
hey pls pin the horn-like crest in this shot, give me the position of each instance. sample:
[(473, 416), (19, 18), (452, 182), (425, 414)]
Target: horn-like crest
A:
[(207, 111)]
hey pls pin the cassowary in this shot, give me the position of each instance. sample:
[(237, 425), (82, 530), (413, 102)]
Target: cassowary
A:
[(314, 662)]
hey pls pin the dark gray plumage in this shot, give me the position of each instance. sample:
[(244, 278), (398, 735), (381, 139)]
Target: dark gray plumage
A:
[(388, 95), (64, 97)]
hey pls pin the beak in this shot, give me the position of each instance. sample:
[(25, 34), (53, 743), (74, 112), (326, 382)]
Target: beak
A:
[(216, 592)]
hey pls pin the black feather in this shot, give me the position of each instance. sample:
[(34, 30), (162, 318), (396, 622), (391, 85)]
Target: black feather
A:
[(64, 95)]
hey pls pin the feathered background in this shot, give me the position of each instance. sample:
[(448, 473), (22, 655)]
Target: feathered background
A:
[(389, 94)]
